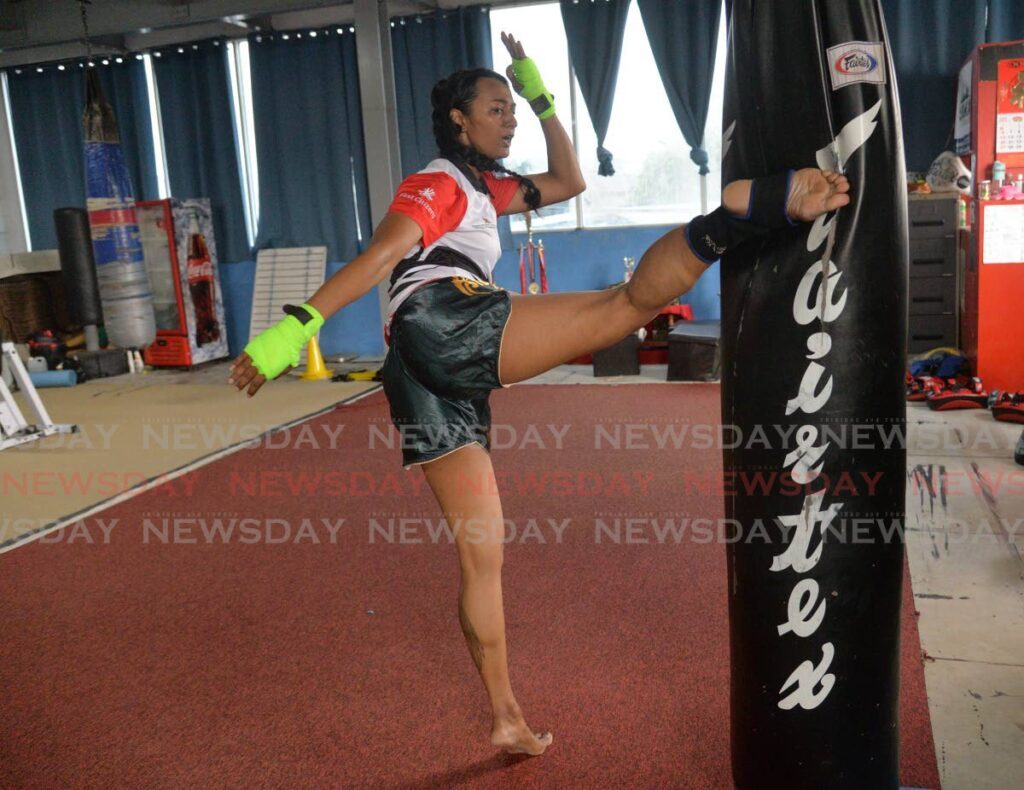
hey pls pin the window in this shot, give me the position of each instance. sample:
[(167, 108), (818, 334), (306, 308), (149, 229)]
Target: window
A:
[(245, 133), (9, 121), (544, 41), (160, 160), (655, 183), (241, 90), (160, 156)]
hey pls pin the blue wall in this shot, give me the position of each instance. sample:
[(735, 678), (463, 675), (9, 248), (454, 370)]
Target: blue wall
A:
[(582, 260), (576, 261)]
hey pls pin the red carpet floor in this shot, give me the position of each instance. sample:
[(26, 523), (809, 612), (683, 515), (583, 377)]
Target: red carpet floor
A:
[(163, 656)]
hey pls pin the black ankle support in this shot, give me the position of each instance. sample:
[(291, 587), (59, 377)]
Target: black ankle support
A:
[(768, 201), (711, 235)]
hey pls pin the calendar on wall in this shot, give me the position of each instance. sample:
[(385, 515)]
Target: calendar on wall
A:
[(1010, 107)]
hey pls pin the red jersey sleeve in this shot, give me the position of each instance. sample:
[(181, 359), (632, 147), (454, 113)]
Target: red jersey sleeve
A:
[(502, 190), (434, 200)]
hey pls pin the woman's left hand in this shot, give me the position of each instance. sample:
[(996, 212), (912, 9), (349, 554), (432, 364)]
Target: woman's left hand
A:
[(526, 80), (513, 45), (516, 52)]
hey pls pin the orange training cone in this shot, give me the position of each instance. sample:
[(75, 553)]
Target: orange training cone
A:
[(316, 370)]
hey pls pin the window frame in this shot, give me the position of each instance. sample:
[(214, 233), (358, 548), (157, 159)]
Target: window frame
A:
[(9, 118), (242, 113), (574, 134), (156, 124)]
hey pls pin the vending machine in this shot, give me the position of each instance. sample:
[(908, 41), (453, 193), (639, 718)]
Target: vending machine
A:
[(181, 259), (989, 132)]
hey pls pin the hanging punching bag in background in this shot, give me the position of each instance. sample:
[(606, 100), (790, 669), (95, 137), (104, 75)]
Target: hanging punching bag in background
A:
[(120, 268), (813, 344)]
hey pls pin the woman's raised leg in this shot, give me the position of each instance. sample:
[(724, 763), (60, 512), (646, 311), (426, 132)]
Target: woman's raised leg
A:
[(464, 484), (550, 329)]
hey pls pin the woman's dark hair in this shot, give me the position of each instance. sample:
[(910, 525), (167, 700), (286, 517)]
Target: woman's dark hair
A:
[(457, 91)]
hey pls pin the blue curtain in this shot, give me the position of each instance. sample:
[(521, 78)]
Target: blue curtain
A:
[(425, 49), (126, 90), (683, 39), (46, 110), (1005, 20), (594, 32), (199, 138), (309, 143), (930, 40)]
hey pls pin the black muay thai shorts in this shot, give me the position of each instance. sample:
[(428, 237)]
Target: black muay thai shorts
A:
[(442, 363)]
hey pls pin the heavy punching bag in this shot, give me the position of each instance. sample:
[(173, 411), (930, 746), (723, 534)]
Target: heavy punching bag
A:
[(813, 345), (124, 286)]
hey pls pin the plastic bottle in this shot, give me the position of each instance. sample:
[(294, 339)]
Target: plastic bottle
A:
[(998, 175)]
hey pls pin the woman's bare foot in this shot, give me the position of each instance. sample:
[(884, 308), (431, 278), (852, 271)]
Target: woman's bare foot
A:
[(814, 192), (511, 733)]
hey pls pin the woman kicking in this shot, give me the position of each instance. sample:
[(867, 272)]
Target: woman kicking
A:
[(453, 337)]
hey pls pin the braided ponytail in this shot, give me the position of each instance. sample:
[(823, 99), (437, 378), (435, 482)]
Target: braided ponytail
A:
[(457, 91)]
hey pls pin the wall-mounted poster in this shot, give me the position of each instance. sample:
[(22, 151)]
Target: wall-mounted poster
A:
[(962, 124), (1004, 234), (1010, 107)]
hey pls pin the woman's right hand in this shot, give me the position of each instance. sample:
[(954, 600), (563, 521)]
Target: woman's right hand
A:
[(244, 373), (396, 235), (275, 350)]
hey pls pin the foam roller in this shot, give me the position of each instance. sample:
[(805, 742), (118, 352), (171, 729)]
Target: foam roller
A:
[(54, 378)]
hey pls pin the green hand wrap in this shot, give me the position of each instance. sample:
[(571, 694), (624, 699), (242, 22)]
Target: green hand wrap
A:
[(531, 87), (279, 346)]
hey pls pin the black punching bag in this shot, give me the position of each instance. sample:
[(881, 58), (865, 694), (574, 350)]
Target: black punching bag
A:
[(813, 344), (74, 243)]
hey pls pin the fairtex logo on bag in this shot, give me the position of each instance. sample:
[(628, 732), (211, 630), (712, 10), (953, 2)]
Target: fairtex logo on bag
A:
[(856, 61)]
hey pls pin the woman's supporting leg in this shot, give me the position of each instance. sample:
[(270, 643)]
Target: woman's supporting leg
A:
[(465, 487)]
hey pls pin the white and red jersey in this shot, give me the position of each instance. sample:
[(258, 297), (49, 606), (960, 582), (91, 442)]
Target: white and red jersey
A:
[(459, 223)]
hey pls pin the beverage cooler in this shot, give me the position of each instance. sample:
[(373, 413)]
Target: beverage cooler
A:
[(181, 258), (990, 139)]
